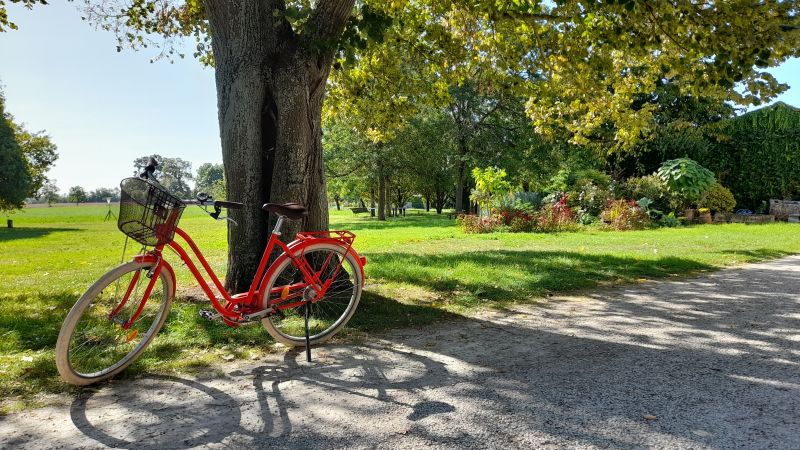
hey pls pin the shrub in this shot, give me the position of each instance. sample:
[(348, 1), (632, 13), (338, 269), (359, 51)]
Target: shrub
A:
[(650, 187), (556, 216), (625, 215), (718, 198), (686, 177), (522, 224), (590, 198), (470, 223)]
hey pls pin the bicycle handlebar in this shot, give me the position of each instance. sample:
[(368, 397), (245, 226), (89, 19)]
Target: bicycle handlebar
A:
[(149, 169), (216, 203)]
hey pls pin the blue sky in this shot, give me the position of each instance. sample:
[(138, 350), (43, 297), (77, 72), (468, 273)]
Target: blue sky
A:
[(104, 108)]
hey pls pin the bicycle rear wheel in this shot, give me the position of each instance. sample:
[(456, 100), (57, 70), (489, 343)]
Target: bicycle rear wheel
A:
[(328, 314), (93, 343)]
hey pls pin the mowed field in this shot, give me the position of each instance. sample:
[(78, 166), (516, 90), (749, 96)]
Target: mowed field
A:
[(420, 270)]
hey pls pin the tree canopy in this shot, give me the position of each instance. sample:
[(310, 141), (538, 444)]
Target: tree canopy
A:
[(25, 158)]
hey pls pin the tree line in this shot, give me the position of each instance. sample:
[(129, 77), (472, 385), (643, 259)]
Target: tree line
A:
[(173, 173)]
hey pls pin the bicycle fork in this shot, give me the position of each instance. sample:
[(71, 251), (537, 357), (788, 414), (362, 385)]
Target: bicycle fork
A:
[(153, 274)]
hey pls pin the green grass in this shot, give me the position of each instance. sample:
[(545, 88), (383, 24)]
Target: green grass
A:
[(420, 269)]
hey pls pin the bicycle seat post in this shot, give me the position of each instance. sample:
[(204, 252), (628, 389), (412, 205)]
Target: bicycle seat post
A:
[(277, 230)]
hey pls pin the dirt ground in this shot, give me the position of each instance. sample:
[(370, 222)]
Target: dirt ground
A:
[(709, 362)]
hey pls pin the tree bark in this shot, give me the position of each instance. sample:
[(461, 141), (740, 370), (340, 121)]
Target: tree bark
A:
[(381, 193), (270, 88), (372, 202)]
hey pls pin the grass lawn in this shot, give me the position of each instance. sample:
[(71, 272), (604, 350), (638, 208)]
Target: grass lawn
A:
[(420, 269)]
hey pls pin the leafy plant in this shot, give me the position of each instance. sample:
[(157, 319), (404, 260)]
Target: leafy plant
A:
[(686, 177), (470, 223), (490, 185), (625, 215), (652, 188), (718, 198), (556, 216)]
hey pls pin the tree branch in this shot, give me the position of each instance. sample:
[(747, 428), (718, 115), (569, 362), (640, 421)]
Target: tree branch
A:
[(326, 22)]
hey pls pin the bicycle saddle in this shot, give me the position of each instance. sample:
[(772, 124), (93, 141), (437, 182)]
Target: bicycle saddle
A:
[(294, 211)]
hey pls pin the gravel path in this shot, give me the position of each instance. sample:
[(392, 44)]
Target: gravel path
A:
[(710, 362)]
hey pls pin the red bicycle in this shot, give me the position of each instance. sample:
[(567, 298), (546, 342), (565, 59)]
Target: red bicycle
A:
[(304, 297)]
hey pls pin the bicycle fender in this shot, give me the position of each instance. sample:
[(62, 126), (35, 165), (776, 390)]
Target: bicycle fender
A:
[(164, 266), (361, 260)]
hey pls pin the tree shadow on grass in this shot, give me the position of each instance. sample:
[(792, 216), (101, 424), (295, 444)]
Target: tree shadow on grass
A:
[(12, 234), (506, 275)]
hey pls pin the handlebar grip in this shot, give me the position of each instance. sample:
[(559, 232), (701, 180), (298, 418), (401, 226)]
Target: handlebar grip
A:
[(228, 205), (149, 169)]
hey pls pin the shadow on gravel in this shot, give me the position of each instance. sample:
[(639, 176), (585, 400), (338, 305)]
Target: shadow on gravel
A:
[(714, 360)]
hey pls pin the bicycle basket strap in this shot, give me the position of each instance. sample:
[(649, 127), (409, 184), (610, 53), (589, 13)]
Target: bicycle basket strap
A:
[(148, 213)]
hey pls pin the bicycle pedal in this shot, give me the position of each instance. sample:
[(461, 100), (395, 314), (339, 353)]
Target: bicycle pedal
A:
[(208, 315)]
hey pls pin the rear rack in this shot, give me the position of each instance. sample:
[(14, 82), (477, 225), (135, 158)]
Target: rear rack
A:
[(343, 236)]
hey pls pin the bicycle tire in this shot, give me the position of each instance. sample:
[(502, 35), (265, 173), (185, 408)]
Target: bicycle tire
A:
[(274, 323), (85, 306)]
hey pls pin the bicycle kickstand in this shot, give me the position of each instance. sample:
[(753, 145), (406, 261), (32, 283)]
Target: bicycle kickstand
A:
[(308, 341)]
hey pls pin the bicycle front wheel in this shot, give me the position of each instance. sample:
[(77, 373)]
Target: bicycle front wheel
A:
[(98, 339), (287, 289)]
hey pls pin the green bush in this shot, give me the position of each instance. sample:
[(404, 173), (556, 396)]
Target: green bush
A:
[(625, 215), (686, 177), (653, 188), (718, 198)]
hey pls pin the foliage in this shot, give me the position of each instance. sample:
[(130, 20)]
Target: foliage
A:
[(653, 188), (517, 213), (40, 154), (668, 220), (15, 179), (77, 195), (490, 185), (207, 177), (101, 194), (5, 22), (49, 192), (757, 154), (624, 215), (172, 173), (472, 224), (686, 177), (556, 216), (718, 198)]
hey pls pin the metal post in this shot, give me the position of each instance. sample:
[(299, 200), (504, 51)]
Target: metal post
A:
[(308, 340)]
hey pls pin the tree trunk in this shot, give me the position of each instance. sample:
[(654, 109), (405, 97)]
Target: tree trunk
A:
[(461, 199), (372, 202), (336, 199), (381, 193), (427, 203), (270, 88)]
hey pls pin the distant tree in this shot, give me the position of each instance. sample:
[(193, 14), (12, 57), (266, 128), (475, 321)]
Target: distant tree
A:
[(172, 173), (101, 194), (77, 195), (207, 176), (49, 192)]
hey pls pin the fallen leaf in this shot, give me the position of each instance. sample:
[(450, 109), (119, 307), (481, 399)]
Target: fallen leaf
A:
[(228, 357), (649, 417), (27, 358)]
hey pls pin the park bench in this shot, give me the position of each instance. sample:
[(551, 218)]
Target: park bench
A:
[(359, 210)]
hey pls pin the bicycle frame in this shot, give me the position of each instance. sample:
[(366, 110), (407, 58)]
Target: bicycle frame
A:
[(237, 307)]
